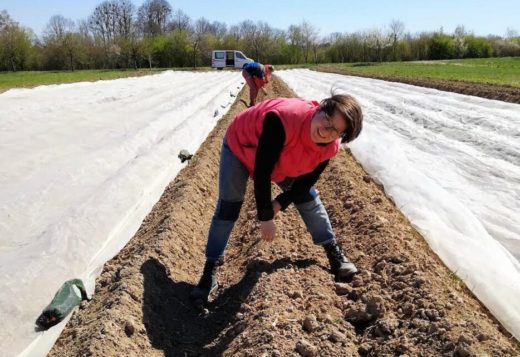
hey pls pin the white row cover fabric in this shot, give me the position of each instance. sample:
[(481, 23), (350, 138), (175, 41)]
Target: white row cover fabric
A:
[(451, 163), (80, 167)]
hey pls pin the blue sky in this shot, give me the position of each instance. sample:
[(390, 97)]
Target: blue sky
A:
[(481, 17)]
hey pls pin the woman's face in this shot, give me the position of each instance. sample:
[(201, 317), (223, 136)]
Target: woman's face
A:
[(325, 128)]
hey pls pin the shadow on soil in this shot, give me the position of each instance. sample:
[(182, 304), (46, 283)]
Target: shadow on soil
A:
[(179, 328), (245, 103)]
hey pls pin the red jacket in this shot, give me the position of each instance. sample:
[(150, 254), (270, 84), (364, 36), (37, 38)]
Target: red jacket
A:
[(300, 155)]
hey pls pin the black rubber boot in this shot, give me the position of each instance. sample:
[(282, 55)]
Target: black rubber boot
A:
[(207, 284), (342, 268)]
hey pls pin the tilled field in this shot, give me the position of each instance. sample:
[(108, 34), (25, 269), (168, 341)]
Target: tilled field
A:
[(279, 299)]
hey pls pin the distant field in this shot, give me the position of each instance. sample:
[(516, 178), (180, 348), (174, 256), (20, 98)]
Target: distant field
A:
[(501, 71), (35, 78)]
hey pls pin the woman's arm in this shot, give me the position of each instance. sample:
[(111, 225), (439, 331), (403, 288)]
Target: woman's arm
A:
[(301, 185), (259, 82), (270, 146), (268, 151)]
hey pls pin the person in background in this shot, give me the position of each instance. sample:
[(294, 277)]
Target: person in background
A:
[(257, 75), (288, 141)]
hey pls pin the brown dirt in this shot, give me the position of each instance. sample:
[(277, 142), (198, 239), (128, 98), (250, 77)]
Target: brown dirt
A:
[(490, 91), (279, 299)]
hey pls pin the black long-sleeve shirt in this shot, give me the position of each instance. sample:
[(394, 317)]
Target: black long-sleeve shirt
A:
[(270, 146)]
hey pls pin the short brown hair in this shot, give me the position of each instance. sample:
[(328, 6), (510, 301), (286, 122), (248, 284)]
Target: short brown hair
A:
[(349, 107)]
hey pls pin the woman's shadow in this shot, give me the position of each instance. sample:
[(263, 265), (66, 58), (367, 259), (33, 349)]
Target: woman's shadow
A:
[(178, 327)]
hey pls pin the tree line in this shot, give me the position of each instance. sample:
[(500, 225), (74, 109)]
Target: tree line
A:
[(117, 35)]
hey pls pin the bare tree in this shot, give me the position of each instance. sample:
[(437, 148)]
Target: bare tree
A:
[(316, 45), (180, 21), (5, 20), (124, 14), (309, 39), (102, 21), (57, 27), (334, 51), (376, 42), (154, 16), (92, 56), (113, 22), (396, 33), (113, 18), (294, 34), (218, 29), (261, 39), (102, 25), (248, 30), (234, 31), (83, 28), (126, 33), (200, 28), (62, 42), (232, 38), (511, 33)]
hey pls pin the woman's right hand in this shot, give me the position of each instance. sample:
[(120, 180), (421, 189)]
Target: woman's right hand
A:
[(268, 230)]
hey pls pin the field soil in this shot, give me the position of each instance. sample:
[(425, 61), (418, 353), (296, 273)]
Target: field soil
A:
[(490, 91), (279, 299)]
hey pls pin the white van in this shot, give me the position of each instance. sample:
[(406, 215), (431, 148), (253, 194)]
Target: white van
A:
[(228, 58)]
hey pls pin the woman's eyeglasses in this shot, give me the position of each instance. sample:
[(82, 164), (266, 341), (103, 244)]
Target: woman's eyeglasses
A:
[(329, 126)]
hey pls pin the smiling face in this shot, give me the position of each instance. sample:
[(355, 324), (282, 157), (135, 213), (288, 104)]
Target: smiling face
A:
[(327, 128)]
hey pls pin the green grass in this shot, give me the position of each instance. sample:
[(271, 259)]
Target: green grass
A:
[(30, 79), (502, 71)]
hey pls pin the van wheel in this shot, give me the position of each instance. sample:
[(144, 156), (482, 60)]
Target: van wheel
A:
[(220, 68)]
